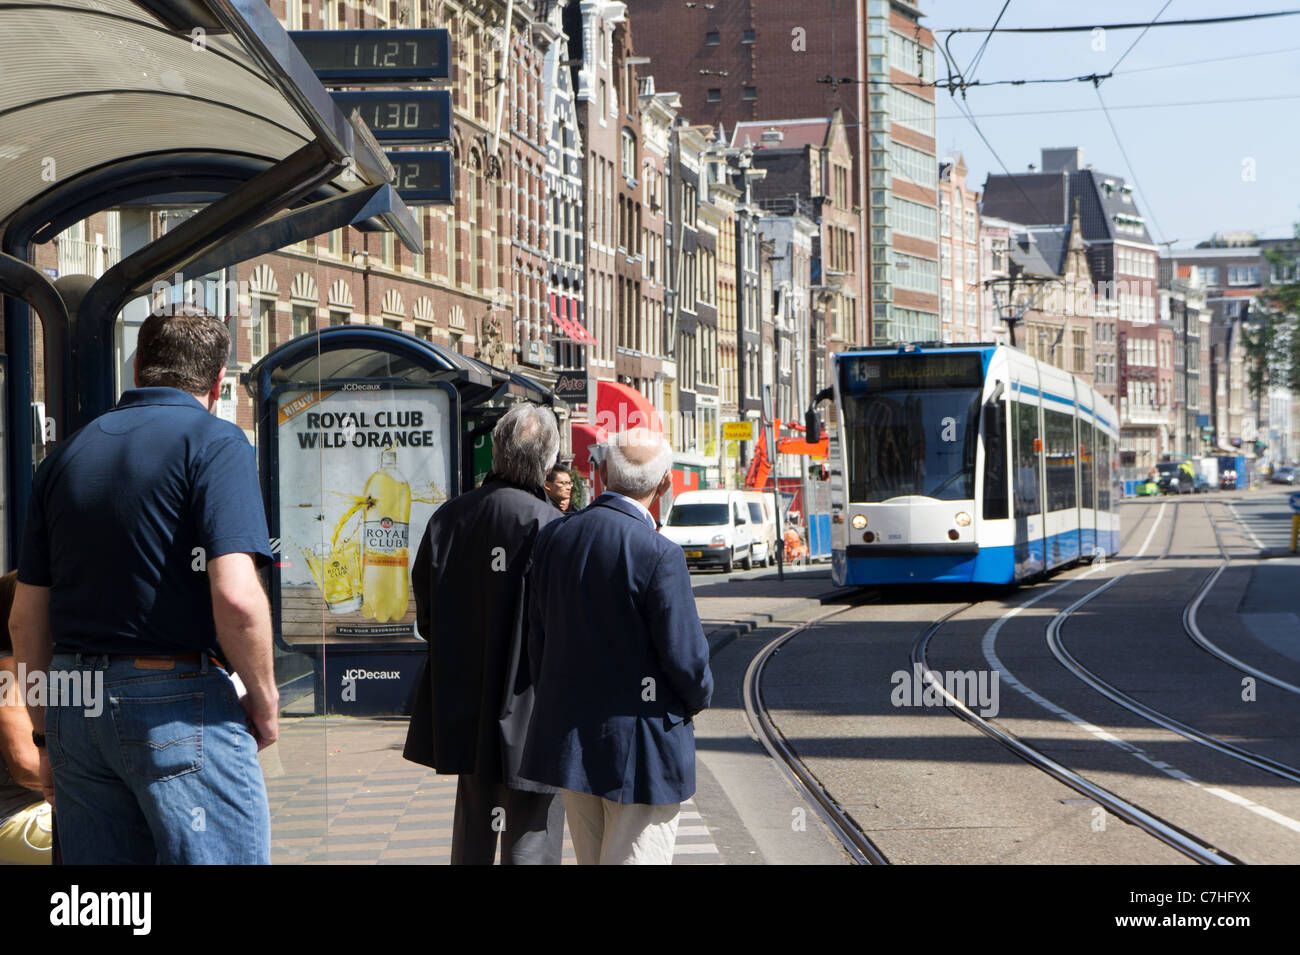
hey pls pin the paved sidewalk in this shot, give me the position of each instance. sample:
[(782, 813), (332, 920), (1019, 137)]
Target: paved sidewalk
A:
[(340, 792)]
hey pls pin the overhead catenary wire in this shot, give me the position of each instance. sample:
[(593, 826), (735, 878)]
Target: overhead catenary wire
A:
[(1123, 106), (1139, 25), (979, 54), (1090, 77), (961, 105), (1139, 37), (1128, 162)]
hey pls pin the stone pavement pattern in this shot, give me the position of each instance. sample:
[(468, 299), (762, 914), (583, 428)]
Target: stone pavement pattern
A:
[(340, 792)]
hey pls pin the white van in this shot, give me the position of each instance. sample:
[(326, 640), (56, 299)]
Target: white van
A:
[(762, 527), (712, 527)]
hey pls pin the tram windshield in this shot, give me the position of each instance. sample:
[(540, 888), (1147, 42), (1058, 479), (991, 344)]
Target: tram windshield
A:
[(915, 440)]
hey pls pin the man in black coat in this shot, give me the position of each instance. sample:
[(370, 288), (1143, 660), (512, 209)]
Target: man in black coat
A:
[(474, 697)]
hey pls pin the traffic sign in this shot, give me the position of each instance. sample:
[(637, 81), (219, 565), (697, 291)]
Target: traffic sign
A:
[(1294, 501), (423, 177), (401, 116), (357, 57), (738, 430)]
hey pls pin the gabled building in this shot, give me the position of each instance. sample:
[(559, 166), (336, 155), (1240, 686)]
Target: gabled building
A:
[(808, 170), (1122, 260), (959, 279), (564, 179)]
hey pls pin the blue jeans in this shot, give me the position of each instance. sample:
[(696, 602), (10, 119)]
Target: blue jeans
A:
[(166, 773)]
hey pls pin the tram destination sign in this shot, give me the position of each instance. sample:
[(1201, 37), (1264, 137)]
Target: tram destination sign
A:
[(423, 177), (350, 57), (401, 116), (911, 372)]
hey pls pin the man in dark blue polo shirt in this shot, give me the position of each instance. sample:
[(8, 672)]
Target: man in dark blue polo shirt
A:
[(138, 576)]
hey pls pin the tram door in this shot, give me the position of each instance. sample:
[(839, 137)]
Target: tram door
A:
[(1027, 487), (1087, 490)]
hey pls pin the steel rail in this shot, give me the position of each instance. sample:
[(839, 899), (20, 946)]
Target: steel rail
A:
[(1171, 835), (1193, 629), (860, 848)]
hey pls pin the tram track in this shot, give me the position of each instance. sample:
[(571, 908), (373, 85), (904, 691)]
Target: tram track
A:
[(841, 823), (1197, 636), (1056, 643), (1162, 829), (1165, 831), (864, 851)]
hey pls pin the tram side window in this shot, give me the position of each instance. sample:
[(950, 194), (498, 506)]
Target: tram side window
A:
[(1025, 424), (1103, 471), (1087, 451), (1060, 460), (995, 460)]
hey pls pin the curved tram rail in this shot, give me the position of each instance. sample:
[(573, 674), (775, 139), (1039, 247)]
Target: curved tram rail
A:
[(862, 850), (1057, 645), (1201, 640), (1163, 830)]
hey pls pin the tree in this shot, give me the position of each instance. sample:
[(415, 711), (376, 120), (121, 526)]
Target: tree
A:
[(1274, 355)]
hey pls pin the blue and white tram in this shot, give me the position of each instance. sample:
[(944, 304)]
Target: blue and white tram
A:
[(968, 464)]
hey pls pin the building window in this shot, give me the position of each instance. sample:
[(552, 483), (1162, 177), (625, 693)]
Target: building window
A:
[(751, 92), (912, 218), (424, 331), (747, 36), (715, 95), (394, 323), (712, 38), (629, 155), (1243, 275), (340, 316), (302, 319), (913, 164), (263, 324)]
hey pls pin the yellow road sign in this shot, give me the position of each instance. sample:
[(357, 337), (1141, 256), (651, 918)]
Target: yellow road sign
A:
[(738, 430)]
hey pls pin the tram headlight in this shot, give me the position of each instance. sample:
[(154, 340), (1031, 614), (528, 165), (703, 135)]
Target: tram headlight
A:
[(962, 519), (859, 521)]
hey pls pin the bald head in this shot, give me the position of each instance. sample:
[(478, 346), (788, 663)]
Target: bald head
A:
[(637, 462)]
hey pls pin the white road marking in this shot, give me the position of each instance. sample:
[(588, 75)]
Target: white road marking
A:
[(1233, 507), (990, 655), (694, 849)]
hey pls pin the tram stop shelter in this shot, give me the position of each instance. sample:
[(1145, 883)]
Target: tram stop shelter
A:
[(107, 103), (362, 432)]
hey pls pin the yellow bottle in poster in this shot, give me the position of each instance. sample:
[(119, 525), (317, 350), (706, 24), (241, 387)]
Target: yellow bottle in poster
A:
[(385, 581)]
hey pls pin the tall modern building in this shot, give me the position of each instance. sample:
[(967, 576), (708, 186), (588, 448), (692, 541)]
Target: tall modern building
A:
[(745, 60), (903, 196)]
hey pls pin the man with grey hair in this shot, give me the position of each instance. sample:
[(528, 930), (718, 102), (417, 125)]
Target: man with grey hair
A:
[(473, 699), (619, 662)]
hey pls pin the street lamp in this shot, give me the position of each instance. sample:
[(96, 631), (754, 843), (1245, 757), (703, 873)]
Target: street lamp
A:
[(361, 260)]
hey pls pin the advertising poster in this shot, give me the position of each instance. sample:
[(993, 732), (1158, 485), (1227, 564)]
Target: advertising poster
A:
[(362, 468)]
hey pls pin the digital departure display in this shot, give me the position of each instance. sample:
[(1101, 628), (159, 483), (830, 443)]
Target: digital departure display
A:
[(910, 372), (412, 116), (422, 178), (376, 56)]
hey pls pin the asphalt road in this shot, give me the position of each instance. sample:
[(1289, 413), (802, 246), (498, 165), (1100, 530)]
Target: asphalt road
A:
[(929, 788)]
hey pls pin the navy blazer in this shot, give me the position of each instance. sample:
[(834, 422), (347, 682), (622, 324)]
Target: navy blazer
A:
[(619, 659), (470, 709)]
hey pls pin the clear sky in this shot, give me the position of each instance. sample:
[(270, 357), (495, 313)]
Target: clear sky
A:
[(1229, 162)]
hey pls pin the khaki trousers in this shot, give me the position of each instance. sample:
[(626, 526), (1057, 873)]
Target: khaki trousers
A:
[(612, 833)]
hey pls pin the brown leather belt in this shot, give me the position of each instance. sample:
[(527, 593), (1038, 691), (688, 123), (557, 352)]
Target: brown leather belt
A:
[(164, 663)]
